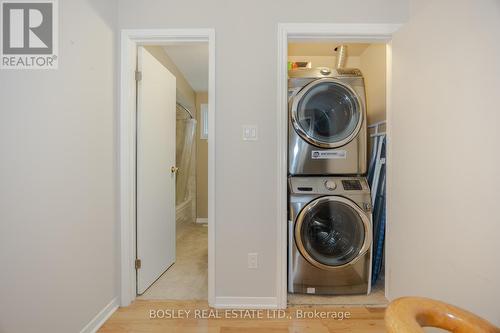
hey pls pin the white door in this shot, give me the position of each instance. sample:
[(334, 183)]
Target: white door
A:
[(155, 178)]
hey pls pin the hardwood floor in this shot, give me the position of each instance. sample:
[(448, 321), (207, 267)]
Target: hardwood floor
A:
[(196, 316)]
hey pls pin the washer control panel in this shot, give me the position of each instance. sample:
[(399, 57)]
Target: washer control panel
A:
[(351, 185)]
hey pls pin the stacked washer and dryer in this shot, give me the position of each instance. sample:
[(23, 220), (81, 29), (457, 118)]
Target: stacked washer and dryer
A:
[(330, 220)]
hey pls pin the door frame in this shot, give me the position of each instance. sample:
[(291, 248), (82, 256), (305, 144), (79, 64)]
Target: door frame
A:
[(130, 39), (361, 33)]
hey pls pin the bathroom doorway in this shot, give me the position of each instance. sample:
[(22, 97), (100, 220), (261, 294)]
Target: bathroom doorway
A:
[(186, 267), (185, 276)]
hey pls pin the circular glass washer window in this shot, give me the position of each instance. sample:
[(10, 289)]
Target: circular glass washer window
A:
[(328, 113), (332, 233)]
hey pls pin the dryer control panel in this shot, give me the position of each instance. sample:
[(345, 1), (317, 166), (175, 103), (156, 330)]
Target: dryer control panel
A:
[(328, 185)]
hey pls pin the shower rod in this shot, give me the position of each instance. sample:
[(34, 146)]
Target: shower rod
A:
[(185, 109)]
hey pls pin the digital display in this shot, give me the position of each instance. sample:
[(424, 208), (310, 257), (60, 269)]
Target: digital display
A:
[(351, 185)]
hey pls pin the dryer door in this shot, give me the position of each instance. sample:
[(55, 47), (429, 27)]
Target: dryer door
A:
[(332, 232), (327, 113)]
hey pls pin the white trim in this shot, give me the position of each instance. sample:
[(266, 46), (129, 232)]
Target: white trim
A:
[(183, 205), (211, 166), (202, 220), (129, 41), (388, 168), (348, 32), (101, 317), (282, 132), (370, 33), (246, 303), (127, 171), (183, 211)]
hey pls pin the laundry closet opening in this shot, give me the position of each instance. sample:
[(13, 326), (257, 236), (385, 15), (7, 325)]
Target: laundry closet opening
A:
[(336, 159), (172, 171)]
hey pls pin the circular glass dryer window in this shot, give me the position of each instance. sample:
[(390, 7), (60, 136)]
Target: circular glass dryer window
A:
[(327, 113), (331, 232)]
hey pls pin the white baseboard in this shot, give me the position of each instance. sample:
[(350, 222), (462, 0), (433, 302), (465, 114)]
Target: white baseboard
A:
[(246, 303), (101, 317), (201, 220), (183, 205)]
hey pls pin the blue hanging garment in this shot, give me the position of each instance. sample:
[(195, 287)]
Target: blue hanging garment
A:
[(379, 219), (377, 181)]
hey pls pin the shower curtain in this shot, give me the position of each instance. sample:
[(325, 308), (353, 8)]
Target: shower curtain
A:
[(185, 159)]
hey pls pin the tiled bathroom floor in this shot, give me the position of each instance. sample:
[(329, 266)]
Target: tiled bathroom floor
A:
[(187, 278)]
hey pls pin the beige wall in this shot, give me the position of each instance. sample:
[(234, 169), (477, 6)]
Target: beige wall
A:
[(326, 61), (246, 61), (201, 162), (444, 180), (373, 66)]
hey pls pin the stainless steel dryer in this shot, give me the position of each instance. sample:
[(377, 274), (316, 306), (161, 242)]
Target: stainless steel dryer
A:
[(327, 122), (329, 236)]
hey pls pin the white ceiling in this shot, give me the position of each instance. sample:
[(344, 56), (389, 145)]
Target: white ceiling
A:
[(192, 61)]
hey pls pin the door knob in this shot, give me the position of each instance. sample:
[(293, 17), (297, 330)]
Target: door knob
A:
[(174, 169)]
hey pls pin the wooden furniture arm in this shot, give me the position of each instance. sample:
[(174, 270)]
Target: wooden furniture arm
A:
[(410, 314)]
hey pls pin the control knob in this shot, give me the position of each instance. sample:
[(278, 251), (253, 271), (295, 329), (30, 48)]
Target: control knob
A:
[(325, 71), (330, 185)]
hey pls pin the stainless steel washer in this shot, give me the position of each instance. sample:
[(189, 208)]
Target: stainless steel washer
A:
[(329, 236), (327, 122)]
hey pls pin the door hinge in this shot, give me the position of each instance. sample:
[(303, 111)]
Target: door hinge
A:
[(138, 263), (138, 76)]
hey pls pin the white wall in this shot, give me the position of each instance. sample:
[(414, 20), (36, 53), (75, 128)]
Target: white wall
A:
[(58, 221), (246, 57), (444, 173)]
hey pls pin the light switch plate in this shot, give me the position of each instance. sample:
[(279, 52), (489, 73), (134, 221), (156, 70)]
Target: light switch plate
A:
[(250, 133), (253, 260)]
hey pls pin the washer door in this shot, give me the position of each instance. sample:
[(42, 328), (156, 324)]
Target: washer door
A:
[(327, 113), (332, 232)]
